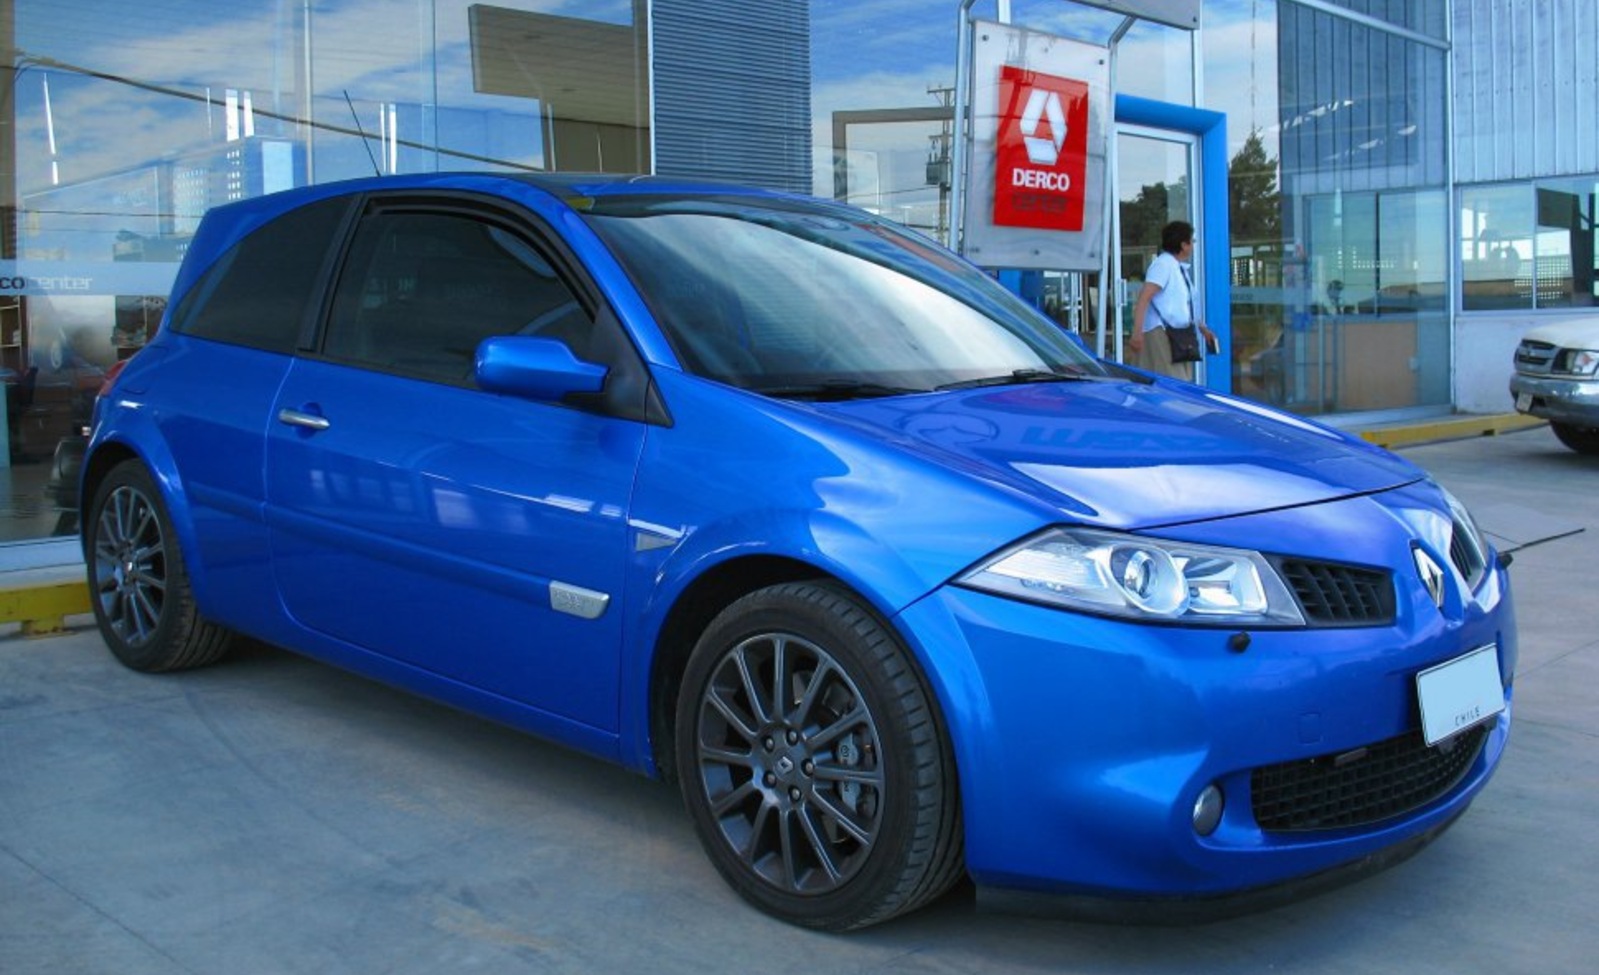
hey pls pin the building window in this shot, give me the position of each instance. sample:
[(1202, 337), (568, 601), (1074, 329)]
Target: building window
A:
[(1526, 246)]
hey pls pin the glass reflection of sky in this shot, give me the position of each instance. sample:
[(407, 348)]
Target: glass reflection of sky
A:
[(883, 54), (414, 55)]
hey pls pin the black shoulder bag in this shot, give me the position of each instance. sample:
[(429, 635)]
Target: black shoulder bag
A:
[(1184, 341)]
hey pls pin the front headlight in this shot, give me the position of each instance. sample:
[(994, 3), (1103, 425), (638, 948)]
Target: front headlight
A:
[(1140, 578), (1576, 362)]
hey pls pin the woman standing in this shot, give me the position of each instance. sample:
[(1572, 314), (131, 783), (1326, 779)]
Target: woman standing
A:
[(1167, 302)]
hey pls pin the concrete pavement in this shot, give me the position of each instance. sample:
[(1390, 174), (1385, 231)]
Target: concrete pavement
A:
[(272, 815)]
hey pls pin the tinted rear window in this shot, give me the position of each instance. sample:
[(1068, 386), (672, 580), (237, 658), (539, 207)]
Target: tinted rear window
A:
[(259, 293)]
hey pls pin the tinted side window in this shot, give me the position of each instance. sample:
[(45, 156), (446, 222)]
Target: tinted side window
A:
[(259, 293), (421, 290)]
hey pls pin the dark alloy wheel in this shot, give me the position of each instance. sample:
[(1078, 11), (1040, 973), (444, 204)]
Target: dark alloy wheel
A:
[(812, 763), (1584, 440), (140, 587)]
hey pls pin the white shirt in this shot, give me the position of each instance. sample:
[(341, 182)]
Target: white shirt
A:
[(1174, 297)]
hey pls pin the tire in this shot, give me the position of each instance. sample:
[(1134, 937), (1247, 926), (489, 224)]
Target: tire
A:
[(138, 582), (1584, 440), (837, 809)]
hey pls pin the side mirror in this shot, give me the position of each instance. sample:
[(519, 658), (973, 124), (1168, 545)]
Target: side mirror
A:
[(538, 369)]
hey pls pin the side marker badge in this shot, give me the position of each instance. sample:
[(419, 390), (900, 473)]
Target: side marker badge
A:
[(576, 601)]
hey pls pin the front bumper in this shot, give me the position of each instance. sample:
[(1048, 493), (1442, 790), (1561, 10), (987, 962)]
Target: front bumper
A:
[(1573, 401), (1083, 743), (1203, 909)]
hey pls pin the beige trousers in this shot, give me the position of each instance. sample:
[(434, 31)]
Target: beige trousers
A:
[(1155, 356)]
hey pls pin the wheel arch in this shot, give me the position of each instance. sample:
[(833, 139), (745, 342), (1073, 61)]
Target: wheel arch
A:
[(702, 600), (692, 611), (95, 468), (102, 458)]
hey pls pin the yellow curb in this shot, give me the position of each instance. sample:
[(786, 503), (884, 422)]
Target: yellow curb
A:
[(1449, 428), (42, 609)]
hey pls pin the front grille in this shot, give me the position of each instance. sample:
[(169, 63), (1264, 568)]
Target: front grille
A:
[(1331, 594), (1366, 785), (1534, 357)]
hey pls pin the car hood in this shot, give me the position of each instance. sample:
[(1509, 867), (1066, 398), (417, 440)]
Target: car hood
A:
[(1574, 333), (1127, 454)]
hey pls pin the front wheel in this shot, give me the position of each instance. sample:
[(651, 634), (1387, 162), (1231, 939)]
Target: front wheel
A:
[(813, 763), (138, 581), (1584, 440)]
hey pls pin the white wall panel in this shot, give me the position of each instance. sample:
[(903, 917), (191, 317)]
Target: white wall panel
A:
[(1526, 88), (733, 91)]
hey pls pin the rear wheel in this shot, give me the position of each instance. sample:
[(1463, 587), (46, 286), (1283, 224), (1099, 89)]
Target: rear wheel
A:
[(1584, 440), (812, 761), (139, 583)]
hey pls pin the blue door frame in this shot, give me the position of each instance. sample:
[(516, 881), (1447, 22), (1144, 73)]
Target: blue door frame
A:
[(1211, 129)]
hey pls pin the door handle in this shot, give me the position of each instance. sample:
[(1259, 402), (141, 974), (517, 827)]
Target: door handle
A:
[(296, 418)]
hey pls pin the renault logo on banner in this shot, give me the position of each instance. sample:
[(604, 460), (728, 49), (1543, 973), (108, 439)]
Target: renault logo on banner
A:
[(1041, 154), (1042, 104), (1033, 192)]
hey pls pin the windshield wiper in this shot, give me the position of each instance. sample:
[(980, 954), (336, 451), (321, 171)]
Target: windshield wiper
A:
[(833, 390), (1018, 376)]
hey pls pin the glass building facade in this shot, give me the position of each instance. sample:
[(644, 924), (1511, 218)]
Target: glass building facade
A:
[(1364, 259)]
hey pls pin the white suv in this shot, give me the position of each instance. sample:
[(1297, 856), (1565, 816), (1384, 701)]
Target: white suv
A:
[(1557, 378)]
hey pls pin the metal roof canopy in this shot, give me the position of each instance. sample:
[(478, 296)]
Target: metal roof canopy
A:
[(1182, 14)]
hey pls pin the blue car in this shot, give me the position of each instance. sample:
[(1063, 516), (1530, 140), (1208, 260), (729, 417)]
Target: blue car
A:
[(773, 499)]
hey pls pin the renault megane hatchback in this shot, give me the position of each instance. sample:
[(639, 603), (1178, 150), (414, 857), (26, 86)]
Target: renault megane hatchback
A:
[(771, 498)]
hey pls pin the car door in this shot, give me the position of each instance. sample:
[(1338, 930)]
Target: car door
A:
[(229, 344), (477, 536)]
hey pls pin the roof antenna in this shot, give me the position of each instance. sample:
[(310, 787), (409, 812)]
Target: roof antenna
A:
[(376, 169)]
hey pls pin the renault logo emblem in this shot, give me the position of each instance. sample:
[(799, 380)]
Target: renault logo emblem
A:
[(1431, 576), (1043, 106)]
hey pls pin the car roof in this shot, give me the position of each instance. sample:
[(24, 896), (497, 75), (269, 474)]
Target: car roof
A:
[(243, 216), (565, 186), (634, 184)]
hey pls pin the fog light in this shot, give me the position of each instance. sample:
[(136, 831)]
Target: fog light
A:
[(1207, 810)]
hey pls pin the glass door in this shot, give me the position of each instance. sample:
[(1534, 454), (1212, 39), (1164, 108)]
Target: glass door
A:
[(1157, 175)]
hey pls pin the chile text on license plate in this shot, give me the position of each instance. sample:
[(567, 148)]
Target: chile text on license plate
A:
[(1460, 693)]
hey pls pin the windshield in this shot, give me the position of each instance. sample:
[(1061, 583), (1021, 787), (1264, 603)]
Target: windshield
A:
[(796, 299)]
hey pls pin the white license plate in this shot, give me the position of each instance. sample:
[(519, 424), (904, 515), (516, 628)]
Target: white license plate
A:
[(1459, 694), (1523, 402)]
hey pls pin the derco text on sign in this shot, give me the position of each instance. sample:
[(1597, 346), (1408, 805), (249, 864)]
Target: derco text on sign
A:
[(1041, 154)]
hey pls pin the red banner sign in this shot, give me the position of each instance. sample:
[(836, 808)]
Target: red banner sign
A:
[(1041, 155)]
